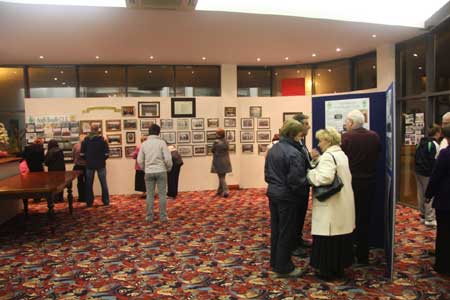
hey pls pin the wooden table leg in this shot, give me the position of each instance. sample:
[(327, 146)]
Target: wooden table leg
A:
[(50, 205), (25, 206), (70, 197)]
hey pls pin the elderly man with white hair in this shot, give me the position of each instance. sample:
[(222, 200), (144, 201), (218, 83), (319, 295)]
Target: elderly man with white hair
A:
[(445, 122), (362, 147)]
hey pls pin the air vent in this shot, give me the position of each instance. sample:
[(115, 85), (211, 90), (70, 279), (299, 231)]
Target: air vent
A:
[(162, 4)]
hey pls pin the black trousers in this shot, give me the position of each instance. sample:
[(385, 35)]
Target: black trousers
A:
[(442, 263), (81, 182), (172, 181), (301, 209), (283, 230), (363, 190)]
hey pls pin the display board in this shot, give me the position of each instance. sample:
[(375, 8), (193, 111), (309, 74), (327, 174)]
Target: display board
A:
[(336, 110)]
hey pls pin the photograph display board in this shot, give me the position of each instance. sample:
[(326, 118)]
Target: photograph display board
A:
[(337, 110)]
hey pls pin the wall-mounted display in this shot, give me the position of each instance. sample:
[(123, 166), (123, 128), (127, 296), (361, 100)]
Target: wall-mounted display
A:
[(232, 148), (183, 107), (198, 124), (88, 124), (247, 136), (114, 139), (185, 151), (128, 111), (169, 137), (230, 136), (255, 111), (182, 124), (130, 137), (263, 123), (213, 122), (199, 150), (130, 124), (183, 137), (129, 151), (230, 112), (262, 149), (229, 122), (166, 124), (113, 125), (247, 148), (148, 109), (263, 136), (247, 123), (211, 136), (289, 115), (198, 136), (115, 152), (145, 124)]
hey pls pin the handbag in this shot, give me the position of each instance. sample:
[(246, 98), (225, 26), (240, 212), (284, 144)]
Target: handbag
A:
[(324, 192)]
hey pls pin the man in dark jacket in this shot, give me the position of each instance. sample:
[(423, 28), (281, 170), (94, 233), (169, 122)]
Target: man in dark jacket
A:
[(362, 147), (35, 156), (95, 151), (285, 173)]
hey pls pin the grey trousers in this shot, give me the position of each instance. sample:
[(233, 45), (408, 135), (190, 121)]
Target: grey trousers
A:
[(160, 179), (425, 209), (223, 187)]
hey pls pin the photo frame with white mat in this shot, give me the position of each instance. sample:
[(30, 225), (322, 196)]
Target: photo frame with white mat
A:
[(185, 150)]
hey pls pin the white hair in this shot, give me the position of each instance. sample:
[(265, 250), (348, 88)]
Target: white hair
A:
[(357, 118), (446, 116)]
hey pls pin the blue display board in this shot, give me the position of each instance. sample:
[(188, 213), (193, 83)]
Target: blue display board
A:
[(377, 118)]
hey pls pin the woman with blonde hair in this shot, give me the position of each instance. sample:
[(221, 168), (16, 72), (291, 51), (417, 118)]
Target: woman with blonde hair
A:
[(221, 164), (333, 219)]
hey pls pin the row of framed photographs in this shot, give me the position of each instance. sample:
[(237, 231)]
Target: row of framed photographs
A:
[(187, 137)]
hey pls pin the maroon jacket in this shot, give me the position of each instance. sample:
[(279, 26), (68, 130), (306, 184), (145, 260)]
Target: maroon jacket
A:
[(362, 147)]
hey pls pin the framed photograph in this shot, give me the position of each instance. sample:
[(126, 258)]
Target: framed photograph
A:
[(128, 111), (230, 136), (30, 127), (183, 137), (148, 109), (169, 137), (182, 124), (199, 150), (230, 112), (113, 125), (68, 156), (198, 136), (263, 136), (263, 123), (213, 122), (209, 149), (262, 149), (232, 148), (39, 127), (145, 124), (247, 136), (130, 124), (114, 139), (198, 124), (289, 115), (130, 137), (229, 122), (86, 125), (183, 107), (129, 151), (115, 152), (255, 111), (185, 151), (166, 124), (247, 148), (247, 123), (211, 136)]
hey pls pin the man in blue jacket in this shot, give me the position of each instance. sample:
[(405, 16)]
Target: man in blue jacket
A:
[(95, 151)]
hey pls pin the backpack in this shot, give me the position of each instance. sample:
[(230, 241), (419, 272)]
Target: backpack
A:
[(425, 156)]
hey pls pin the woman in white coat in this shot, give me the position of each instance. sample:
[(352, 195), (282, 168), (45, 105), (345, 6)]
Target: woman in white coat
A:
[(333, 220)]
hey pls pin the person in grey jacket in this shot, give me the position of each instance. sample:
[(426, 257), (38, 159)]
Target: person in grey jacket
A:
[(155, 159), (221, 164)]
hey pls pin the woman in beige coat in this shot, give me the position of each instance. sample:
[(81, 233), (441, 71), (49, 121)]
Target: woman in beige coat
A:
[(333, 220)]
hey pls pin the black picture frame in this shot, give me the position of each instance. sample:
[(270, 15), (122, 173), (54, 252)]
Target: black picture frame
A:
[(130, 137), (129, 124), (145, 112), (198, 124), (199, 150), (289, 115), (183, 112), (129, 150), (115, 152), (198, 136), (183, 137)]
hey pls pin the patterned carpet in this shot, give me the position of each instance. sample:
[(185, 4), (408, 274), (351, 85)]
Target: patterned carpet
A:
[(211, 248)]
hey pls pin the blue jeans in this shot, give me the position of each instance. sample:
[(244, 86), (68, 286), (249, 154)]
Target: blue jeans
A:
[(160, 179), (101, 173)]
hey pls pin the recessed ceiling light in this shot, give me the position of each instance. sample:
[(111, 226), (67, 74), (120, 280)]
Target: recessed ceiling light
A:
[(106, 72), (374, 67), (338, 49), (41, 57), (151, 57), (420, 68), (193, 72), (203, 58), (374, 35), (329, 70), (276, 73), (56, 78), (150, 71), (63, 83), (298, 71), (313, 55), (286, 58), (415, 54), (62, 72), (318, 74), (249, 73), (258, 59), (97, 57)]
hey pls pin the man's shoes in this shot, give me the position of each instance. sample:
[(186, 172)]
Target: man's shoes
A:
[(300, 252), (304, 244), (225, 195), (431, 223), (297, 272)]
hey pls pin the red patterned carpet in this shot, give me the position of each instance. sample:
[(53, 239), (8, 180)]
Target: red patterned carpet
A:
[(211, 248)]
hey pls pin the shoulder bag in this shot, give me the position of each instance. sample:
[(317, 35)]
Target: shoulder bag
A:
[(324, 192)]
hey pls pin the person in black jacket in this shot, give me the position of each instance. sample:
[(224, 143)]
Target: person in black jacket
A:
[(54, 160), (34, 156), (95, 151), (439, 188), (285, 173), (174, 174)]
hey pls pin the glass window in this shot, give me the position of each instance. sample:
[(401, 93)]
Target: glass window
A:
[(442, 60), (365, 68), (197, 81), (150, 81), (332, 77), (442, 106), (102, 81), (292, 80), (52, 82), (412, 67), (254, 82)]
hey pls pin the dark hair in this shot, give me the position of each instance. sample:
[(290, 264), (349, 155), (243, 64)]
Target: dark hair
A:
[(300, 117), (435, 128), (446, 131), (154, 129), (276, 137), (52, 144)]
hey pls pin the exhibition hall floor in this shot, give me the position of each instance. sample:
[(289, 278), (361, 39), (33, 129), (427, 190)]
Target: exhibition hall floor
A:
[(211, 248)]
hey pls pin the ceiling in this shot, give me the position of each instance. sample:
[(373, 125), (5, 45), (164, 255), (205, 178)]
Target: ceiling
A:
[(76, 35)]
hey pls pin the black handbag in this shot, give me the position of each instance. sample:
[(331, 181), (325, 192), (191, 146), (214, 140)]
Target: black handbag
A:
[(324, 192)]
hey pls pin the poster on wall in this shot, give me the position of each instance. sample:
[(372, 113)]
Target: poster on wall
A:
[(337, 110)]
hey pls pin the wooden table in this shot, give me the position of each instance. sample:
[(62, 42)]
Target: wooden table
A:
[(38, 185)]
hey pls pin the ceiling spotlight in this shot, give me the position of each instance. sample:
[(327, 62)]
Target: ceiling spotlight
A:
[(192, 72), (150, 71), (249, 73), (62, 72), (374, 67), (374, 35), (63, 83), (329, 70), (97, 57), (151, 57), (286, 58), (415, 54), (420, 68), (298, 71), (338, 49), (318, 74), (313, 55), (41, 57), (56, 78), (258, 59), (106, 72), (276, 73), (203, 58)]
